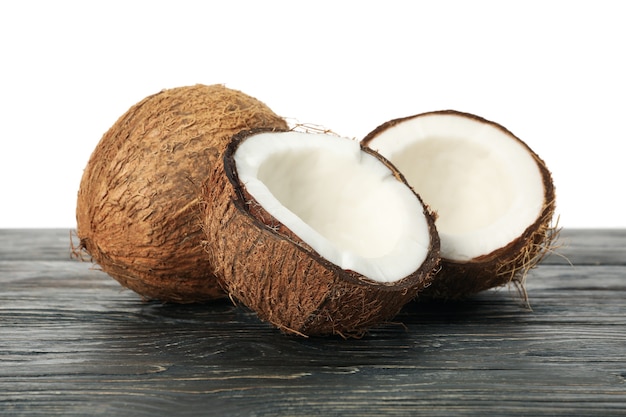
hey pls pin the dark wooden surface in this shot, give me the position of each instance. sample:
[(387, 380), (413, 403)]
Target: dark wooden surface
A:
[(73, 342)]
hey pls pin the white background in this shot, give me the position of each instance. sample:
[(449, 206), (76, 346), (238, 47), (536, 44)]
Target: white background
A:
[(553, 72)]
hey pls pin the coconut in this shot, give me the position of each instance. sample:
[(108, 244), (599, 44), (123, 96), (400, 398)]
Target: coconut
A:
[(137, 210), (494, 197), (316, 234)]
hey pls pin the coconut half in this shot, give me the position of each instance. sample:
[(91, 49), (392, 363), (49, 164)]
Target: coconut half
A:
[(494, 197), (137, 209), (315, 233)]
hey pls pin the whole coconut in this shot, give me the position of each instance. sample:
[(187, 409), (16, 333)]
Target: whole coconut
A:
[(137, 210)]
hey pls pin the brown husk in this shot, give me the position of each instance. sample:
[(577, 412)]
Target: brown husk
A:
[(263, 264), (137, 209), (506, 265)]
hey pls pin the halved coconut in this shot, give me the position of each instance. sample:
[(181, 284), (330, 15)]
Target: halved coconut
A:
[(493, 196), (315, 233)]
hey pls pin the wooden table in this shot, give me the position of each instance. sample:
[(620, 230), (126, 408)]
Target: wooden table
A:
[(73, 342)]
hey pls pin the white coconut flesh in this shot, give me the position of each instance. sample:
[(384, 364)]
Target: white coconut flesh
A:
[(341, 201), (484, 185)]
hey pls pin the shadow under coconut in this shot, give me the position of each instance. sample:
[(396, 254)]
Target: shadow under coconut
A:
[(496, 305)]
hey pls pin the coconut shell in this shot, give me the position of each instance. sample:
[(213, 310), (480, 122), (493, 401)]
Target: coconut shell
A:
[(137, 210), (506, 265), (269, 269)]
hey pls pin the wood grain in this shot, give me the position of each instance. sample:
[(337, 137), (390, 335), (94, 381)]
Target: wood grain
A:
[(73, 342)]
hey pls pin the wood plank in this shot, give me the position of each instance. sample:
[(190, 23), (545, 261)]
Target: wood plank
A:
[(36, 244), (590, 247), (73, 342), (574, 246)]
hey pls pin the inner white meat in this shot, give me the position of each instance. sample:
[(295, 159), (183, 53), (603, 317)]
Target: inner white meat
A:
[(341, 201), (484, 185)]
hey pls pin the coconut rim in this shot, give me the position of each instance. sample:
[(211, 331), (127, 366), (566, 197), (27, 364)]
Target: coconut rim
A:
[(544, 214), (242, 199)]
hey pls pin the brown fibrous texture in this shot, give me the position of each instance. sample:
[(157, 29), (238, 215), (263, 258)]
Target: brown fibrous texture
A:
[(507, 265), (269, 269), (137, 210)]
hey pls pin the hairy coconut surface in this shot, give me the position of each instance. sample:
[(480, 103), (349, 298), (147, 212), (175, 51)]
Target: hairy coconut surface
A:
[(137, 210), (316, 234), (494, 197)]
